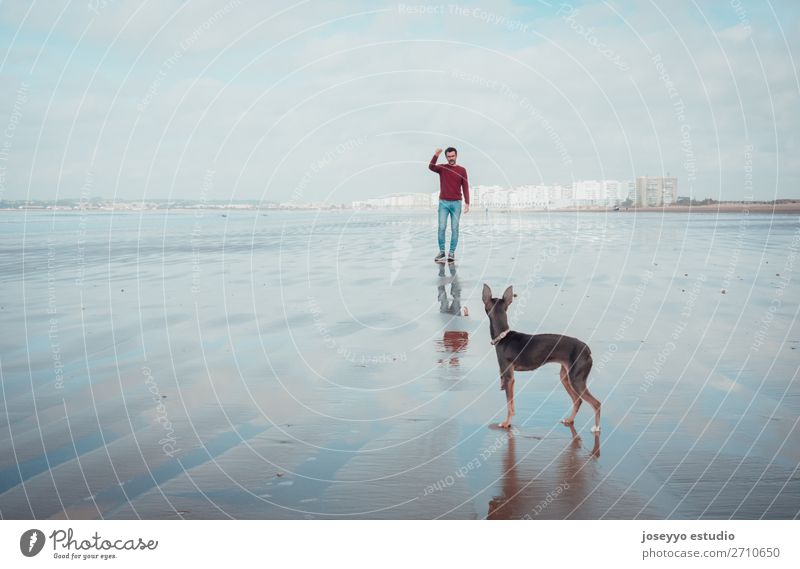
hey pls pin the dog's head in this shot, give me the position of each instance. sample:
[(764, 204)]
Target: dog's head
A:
[(497, 307)]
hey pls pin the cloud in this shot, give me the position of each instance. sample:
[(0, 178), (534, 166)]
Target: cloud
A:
[(609, 90)]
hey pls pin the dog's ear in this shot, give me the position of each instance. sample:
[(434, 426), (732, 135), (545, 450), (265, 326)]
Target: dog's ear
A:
[(487, 294), (508, 295)]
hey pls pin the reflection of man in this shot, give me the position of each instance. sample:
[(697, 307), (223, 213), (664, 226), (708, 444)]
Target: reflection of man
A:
[(452, 180), (453, 341), (445, 304)]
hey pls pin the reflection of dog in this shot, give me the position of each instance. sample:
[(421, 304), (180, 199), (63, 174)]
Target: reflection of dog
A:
[(524, 352)]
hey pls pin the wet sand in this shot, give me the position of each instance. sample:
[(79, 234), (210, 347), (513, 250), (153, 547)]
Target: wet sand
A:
[(319, 365)]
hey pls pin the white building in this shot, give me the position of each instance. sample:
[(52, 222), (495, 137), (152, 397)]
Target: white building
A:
[(587, 192), (582, 193), (654, 191), (417, 200), (599, 193), (616, 191), (488, 196), (521, 197)]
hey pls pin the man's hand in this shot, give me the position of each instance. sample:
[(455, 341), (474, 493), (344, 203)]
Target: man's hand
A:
[(466, 208), (437, 152)]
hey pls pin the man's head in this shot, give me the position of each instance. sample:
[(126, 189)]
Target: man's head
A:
[(451, 154)]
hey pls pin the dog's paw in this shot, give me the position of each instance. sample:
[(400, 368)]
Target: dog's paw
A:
[(595, 429)]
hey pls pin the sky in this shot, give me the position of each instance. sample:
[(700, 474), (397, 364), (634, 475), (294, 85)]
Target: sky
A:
[(338, 101)]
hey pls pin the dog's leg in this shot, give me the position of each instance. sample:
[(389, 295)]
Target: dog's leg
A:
[(590, 399), (579, 375), (513, 406), (596, 447), (508, 378), (576, 399)]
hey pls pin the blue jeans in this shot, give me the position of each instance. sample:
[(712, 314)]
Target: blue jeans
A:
[(450, 208)]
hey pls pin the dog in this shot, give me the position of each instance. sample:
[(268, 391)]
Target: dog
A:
[(525, 352)]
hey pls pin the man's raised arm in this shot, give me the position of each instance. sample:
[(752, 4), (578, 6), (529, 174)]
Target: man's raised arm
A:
[(432, 165)]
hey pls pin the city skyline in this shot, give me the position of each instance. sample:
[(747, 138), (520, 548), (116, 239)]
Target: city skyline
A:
[(581, 193)]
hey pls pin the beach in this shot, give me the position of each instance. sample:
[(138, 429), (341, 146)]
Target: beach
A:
[(319, 365)]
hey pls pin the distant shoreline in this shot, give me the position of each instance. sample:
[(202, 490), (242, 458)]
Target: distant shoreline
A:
[(711, 208), (782, 208)]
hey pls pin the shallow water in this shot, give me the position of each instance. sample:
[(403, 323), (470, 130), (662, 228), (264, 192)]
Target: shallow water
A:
[(319, 365)]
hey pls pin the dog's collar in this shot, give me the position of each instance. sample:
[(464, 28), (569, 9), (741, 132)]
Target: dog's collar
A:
[(500, 336)]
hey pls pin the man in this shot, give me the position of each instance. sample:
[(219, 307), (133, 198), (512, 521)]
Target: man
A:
[(452, 180)]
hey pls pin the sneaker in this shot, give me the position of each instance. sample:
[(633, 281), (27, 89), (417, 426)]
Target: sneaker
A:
[(451, 258), (440, 257)]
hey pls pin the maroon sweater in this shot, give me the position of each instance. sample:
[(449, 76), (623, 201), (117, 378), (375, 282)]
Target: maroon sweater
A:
[(451, 180)]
